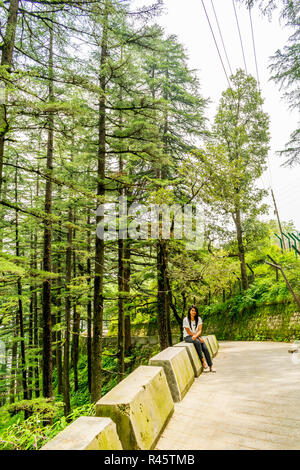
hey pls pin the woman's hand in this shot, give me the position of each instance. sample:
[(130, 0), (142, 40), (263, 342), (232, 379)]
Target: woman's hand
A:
[(197, 336)]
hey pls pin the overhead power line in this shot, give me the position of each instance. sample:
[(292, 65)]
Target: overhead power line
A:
[(253, 42), (212, 4), (269, 172), (212, 32), (238, 26)]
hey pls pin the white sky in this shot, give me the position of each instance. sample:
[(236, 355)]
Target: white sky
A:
[(186, 19)]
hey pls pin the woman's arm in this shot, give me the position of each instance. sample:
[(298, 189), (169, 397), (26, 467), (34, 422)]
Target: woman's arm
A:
[(189, 331), (193, 335), (198, 334)]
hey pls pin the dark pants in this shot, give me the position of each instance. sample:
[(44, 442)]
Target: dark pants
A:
[(200, 347)]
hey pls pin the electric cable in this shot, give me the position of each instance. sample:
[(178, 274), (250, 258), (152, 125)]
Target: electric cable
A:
[(253, 42), (212, 32), (238, 26), (220, 32)]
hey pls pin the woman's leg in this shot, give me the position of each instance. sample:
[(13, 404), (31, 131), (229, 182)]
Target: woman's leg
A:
[(206, 354), (197, 344)]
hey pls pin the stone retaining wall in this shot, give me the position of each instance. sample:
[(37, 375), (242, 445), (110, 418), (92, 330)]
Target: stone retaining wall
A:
[(268, 322), (136, 340), (272, 322)]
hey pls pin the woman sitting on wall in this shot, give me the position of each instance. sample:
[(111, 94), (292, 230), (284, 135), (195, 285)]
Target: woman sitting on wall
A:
[(192, 329)]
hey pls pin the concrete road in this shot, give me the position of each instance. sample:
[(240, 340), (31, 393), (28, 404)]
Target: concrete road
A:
[(251, 402)]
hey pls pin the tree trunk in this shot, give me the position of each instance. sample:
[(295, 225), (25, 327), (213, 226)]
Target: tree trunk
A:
[(66, 371), (166, 295), (89, 307), (127, 254), (47, 321), (296, 298), (6, 61), (21, 327), (30, 330), (99, 255), (35, 307), (76, 327), (20, 315), (121, 267), (165, 333), (161, 293), (30, 344), (278, 267), (173, 307), (59, 355), (241, 249), (12, 388), (121, 318), (36, 344)]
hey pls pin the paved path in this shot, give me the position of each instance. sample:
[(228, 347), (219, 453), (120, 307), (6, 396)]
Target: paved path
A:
[(251, 402)]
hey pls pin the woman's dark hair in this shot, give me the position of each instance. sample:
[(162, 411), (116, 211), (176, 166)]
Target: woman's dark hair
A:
[(196, 316)]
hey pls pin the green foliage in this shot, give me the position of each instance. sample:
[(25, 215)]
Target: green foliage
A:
[(142, 353), (261, 313), (262, 292), (32, 434), (154, 117), (44, 407), (285, 65)]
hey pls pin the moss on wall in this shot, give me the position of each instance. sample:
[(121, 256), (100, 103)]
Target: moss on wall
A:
[(269, 322)]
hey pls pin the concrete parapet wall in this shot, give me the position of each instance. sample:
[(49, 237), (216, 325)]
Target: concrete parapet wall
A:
[(178, 369), (133, 415), (87, 433), (140, 405), (214, 344), (207, 342), (193, 355)]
